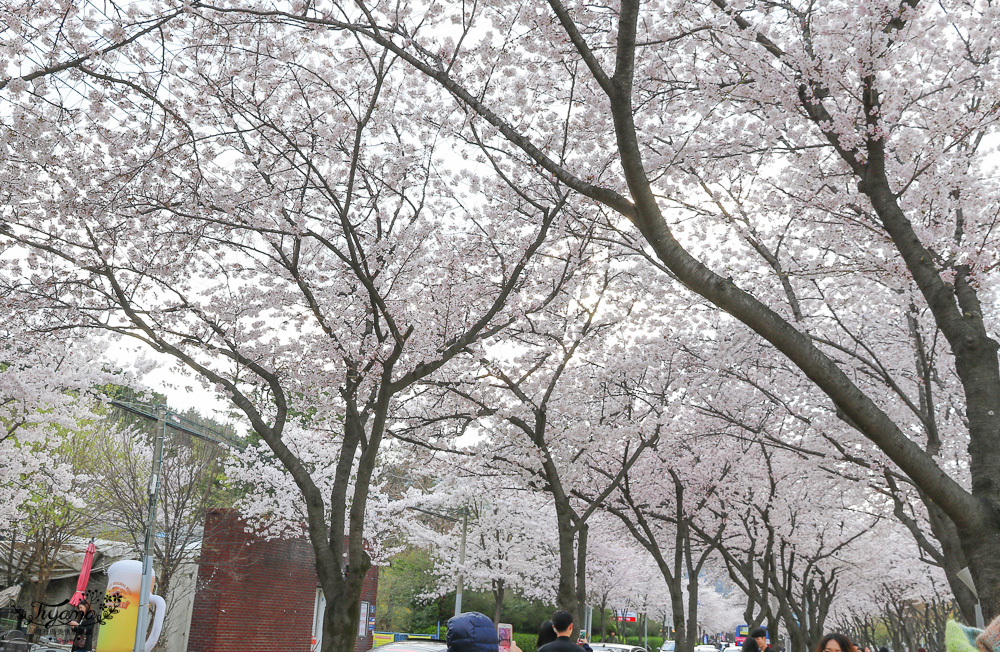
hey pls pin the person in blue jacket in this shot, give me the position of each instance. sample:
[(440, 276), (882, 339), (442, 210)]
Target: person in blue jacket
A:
[(473, 632)]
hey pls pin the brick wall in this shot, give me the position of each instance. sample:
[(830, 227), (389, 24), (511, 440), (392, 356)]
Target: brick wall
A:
[(254, 595), (368, 590)]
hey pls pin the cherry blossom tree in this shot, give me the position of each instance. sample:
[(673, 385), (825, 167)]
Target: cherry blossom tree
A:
[(774, 159), (658, 515), (46, 39), (556, 405), (750, 397), (50, 518), (719, 611), (818, 171), (618, 571), (47, 392), (730, 486), (891, 596), (510, 538), (285, 231)]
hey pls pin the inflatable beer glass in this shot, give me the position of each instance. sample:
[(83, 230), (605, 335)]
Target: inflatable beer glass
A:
[(121, 609)]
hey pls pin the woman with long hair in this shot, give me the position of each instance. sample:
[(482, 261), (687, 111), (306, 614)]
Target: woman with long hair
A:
[(83, 628), (546, 634)]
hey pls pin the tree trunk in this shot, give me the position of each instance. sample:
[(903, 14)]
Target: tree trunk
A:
[(692, 608), (340, 625), (982, 548), (498, 591), (342, 616), (342, 586), (38, 591), (581, 577), (566, 597), (797, 641), (683, 642), (953, 558)]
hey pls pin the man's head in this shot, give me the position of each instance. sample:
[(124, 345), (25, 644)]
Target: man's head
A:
[(562, 622), (472, 632), (761, 637)]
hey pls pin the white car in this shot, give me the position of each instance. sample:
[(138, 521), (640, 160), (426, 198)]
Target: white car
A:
[(616, 647), (705, 648)]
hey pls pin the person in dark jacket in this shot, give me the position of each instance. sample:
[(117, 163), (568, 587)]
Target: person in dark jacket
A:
[(562, 622), (547, 634), (472, 632), (83, 629)]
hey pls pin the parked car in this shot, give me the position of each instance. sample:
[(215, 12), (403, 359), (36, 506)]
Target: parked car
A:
[(732, 648), (706, 647), (617, 647), (668, 646)]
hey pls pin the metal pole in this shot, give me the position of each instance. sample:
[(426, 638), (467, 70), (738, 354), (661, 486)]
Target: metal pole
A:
[(147, 556), (461, 564), (808, 624)]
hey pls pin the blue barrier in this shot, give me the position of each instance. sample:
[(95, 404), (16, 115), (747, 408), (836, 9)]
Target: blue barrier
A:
[(399, 636)]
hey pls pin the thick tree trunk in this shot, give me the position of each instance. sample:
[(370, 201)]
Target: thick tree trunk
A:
[(982, 548), (566, 593), (340, 625), (797, 641), (342, 617), (953, 559), (581, 578), (342, 586), (692, 608), (38, 591), (571, 594), (683, 642)]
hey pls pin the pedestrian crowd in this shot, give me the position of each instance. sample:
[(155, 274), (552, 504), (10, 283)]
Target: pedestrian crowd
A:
[(475, 632)]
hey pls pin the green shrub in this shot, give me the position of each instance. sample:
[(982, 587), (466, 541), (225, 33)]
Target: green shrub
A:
[(526, 641), (654, 642)]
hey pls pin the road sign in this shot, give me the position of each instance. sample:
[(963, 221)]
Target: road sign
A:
[(626, 616)]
